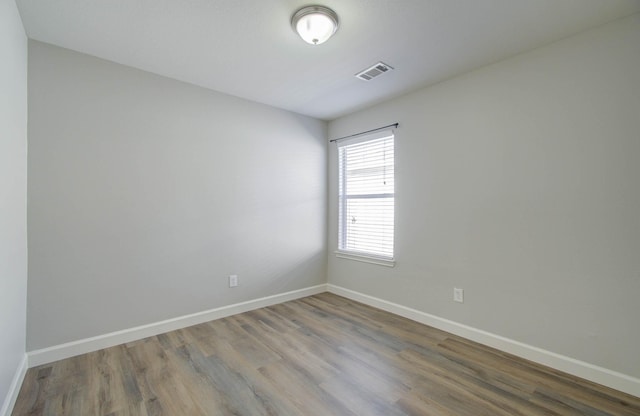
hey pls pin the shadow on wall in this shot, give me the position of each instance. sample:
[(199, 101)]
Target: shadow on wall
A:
[(310, 271)]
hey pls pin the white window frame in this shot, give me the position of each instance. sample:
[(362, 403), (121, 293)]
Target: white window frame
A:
[(363, 256)]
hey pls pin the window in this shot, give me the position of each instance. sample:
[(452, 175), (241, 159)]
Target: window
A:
[(366, 197)]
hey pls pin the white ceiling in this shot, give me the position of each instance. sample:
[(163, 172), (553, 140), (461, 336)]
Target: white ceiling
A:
[(247, 48)]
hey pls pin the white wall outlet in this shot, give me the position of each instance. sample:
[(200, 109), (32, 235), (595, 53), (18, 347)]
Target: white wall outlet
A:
[(233, 280), (458, 295)]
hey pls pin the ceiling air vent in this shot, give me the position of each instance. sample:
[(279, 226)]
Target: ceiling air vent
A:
[(373, 71)]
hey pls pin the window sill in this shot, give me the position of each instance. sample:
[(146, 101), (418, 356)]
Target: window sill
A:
[(365, 259)]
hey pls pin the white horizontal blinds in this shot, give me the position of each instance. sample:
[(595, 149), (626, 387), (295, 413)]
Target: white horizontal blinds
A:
[(366, 195)]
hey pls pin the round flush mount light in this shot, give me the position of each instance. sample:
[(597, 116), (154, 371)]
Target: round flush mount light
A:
[(315, 24)]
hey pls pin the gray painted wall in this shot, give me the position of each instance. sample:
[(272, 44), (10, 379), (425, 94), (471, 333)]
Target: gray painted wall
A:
[(519, 183), (145, 193), (13, 194)]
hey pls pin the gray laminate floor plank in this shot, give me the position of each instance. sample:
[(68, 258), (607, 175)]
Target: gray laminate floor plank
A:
[(321, 355)]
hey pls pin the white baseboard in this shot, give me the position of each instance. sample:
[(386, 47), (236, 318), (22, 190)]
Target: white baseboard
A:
[(600, 375), (14, 388), (83, 346)]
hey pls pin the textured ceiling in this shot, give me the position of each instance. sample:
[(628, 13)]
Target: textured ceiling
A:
[(247, 48)]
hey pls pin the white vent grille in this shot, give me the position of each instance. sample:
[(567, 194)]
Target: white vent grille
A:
[(373, 71)]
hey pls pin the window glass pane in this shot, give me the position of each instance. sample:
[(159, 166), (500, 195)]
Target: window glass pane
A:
[(370, 226)]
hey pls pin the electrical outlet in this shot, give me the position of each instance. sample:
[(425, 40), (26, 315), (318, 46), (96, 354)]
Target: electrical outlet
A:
[(458, 295), (233, 280)]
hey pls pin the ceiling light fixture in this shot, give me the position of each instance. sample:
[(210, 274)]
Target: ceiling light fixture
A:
[(315, 24)]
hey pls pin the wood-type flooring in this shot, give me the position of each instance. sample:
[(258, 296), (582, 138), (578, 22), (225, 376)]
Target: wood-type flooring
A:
[(321, 355)]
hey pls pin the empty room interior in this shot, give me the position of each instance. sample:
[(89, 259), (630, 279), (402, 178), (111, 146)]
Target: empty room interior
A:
[(199, 216)]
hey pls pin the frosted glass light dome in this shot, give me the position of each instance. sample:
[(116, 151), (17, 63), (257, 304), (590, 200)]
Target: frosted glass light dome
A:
[(315, 24)]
